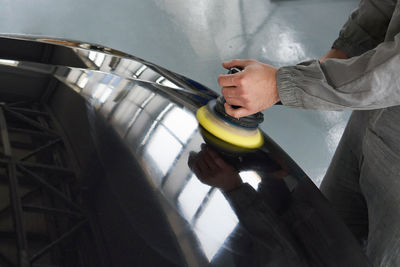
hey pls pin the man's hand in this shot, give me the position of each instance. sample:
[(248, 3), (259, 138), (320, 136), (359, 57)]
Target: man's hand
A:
[(211, 169), (254, 88)]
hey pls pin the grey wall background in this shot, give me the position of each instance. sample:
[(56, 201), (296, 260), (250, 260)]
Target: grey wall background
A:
[(192, 37)]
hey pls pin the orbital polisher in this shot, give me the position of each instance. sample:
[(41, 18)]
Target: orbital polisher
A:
[(242, 132)]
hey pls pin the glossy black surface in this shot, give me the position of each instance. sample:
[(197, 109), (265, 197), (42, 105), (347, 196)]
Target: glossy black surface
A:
[(132, 129)]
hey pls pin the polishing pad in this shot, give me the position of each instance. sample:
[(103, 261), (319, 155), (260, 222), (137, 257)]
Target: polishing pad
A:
[(236, 135)]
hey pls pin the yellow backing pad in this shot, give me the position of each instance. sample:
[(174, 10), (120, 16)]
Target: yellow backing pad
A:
[(227, 132)]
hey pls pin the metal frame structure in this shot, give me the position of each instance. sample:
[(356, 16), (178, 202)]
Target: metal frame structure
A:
[(43, 215)]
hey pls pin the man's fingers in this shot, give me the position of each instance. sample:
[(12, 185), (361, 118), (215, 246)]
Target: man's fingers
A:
[(202, 166), (237, 113), (230, 92), (230, 80), (233, 101), (192, 159), (217, 159), (192, 162), (210, 161)]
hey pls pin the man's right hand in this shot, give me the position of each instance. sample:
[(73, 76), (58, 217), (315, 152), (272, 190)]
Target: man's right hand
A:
[(253, 89)]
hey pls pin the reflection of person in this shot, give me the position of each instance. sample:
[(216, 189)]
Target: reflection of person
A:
[(211, 169), (286, 227), (360, 72), (273, 242)]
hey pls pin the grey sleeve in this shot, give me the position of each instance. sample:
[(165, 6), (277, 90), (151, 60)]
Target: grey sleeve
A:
[(366, 27), (368, 81)]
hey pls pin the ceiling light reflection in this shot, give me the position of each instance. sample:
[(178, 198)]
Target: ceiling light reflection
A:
[(92, 55), (106, 94), (82, 80), (181, 123), (192, 196), (163, 81), (8, 62), (163, 149), (140, 71), (215, 224), (250, 177), (102, 92), (74, 75), (99, 59)]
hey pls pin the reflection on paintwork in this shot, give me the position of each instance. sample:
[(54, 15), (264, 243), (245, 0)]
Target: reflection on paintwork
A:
[(192, 196), (215, 223), (166, 82), (163, 148), (144, 129), (162, 144), (8, 62), (102, 92), (128, 68), (162, 130), (139, 71), (251, 177), (74, 75), (82, 80), (178, 117)]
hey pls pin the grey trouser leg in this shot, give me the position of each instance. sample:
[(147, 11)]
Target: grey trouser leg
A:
[(363, 182), (341, 185)]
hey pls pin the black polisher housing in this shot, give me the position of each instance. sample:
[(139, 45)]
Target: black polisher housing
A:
[(251, 121)]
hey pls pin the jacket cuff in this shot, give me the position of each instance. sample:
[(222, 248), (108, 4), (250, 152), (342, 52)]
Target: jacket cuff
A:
[(287, 87)]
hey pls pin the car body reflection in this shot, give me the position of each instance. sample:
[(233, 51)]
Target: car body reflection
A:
[(132, 129)]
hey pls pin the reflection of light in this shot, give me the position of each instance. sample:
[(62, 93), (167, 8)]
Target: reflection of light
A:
[(163, 148), (134, 118), (73, 76), (250, 177), (140, 71), (92, 55), (105, 95), (181, 123), (215, 224), (102, 92), (192, 196), (165, 110), (8, 62), (116, 81), (99, 59), (107, 78), (99, 90), (83, 80), (166, 82), (147, 100)]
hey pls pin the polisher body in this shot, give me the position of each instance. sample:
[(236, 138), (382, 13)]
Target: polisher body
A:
[(242, 132)]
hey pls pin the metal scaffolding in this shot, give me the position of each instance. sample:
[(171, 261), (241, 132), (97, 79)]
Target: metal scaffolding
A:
[(42, 217)]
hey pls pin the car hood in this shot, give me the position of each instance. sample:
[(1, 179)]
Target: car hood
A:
[(132, 128)]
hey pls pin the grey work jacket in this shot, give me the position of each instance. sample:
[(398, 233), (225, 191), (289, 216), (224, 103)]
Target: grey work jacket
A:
[(370, 79)]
